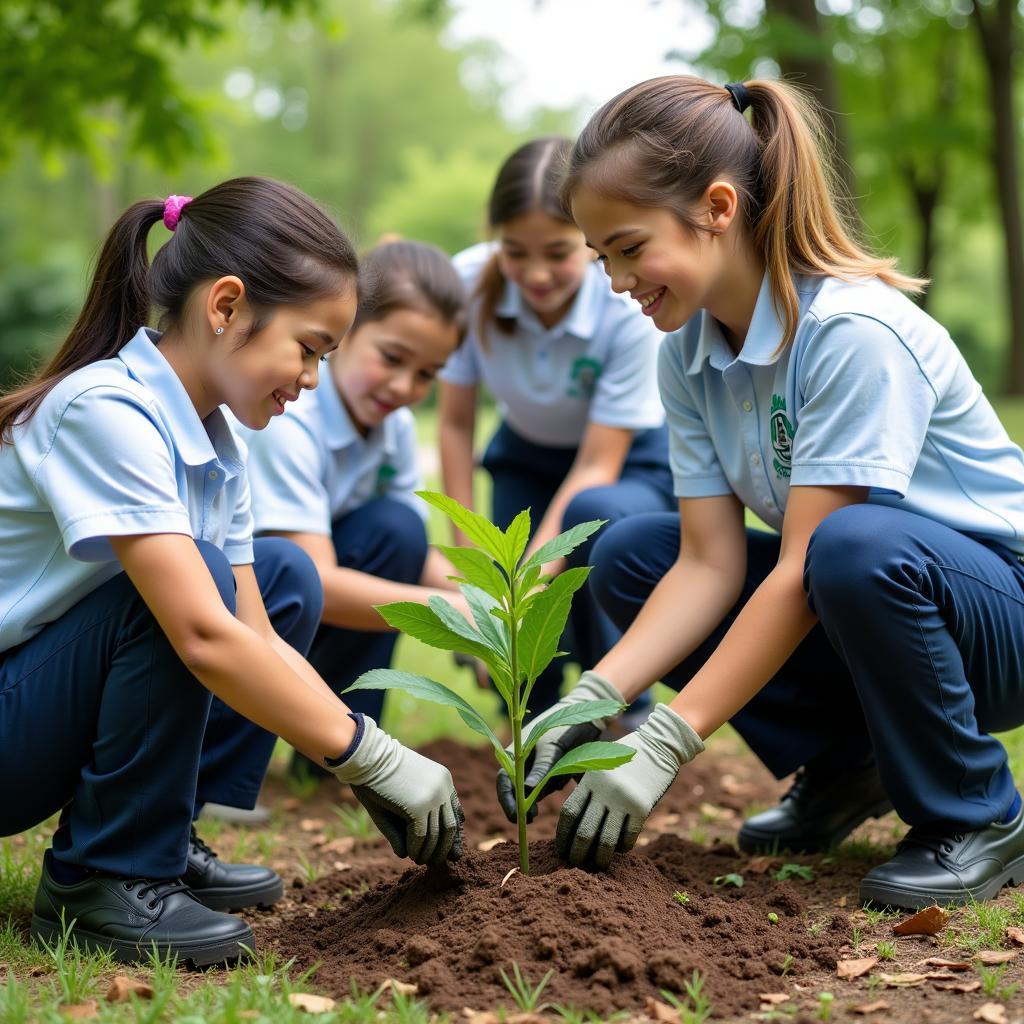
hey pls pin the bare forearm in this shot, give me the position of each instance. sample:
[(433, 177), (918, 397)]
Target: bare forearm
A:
[(771, 626), (457, 465), (436, 572), (350, 596), (551, 525)]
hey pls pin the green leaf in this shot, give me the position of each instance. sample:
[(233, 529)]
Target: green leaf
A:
[(563, 544), (574, 714), (516, 537), (480, 604), (429, 689), (545, 620), (529, 579), (424, 624), (454, 619), (476, 568), (482, 532), (587, 757)]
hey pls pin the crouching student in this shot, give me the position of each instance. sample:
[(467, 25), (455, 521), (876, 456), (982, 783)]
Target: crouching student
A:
[(133, 589), (337, 473), (872, 644)]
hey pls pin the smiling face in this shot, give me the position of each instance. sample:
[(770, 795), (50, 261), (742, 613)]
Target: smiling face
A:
[(669, 269), (390, 363), (546, 258), (256, 380)]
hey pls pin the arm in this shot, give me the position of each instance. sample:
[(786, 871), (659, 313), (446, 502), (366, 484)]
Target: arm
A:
[(599, 461), (436, 571), (458, 425)]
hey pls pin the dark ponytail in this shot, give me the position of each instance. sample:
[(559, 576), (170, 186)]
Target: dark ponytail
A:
[(282, 246)]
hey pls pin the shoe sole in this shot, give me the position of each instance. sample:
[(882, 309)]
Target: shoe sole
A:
[(752, 841), (231, 898), (887, 894), (197, 953)]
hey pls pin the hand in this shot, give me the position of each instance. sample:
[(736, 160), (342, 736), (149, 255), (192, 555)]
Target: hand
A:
[(607, 810), (410, 798), (553, 745)]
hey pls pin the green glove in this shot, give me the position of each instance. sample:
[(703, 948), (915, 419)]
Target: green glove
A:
[(410, 798), (607, 810), (556, 743)]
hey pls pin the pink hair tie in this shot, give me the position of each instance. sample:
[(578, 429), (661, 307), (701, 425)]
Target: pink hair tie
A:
[(173, 205)]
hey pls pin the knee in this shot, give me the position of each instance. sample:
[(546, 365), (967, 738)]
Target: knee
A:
[(393, 542), (585, 507), (288, 578), (614, 579), (221, 571)]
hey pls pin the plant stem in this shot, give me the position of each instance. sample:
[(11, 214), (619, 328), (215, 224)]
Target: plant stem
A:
[(517, 729)]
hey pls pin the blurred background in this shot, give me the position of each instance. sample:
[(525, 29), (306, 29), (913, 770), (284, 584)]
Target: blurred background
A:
[(396, 113)]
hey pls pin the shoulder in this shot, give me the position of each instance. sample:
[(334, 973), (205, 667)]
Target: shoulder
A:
[(400, 428), (470, 262)]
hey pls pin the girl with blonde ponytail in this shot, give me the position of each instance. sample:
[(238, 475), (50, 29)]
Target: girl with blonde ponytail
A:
[(868, 640)]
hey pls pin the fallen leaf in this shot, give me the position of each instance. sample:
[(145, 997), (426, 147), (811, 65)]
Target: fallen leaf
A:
[(929, 921), (1015, 935), (310, 1003), (80, 1011), (940, 976), (959, 986), (490, 844), (731, 785), (345, 844), (341, 865), (121, 988), (527, 1018), (850, 969), (660, 822), (643, 841), (902, 980), (291, 803), (709, 812), (403, 988), (949, 965), (507, 877), (481, 1017), (661, 1012), (990, 957), (311, 825), (867, 1008), (991, 1013), (773, 997), (762, 865)]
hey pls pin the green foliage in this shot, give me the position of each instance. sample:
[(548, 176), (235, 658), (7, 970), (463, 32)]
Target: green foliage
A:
[(515, 632), (720, 881), (695, 1008), (526, 996), (682, 898), (788, 871)]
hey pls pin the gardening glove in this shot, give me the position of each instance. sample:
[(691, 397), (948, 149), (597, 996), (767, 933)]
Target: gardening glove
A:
[(410, 798), (553, 745), (607, 810)]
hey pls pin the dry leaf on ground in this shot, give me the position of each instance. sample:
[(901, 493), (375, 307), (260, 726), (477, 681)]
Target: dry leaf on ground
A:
[(948, 965), (121, 988), (661, 1012), (311, 825), (490, 844), (992, 957), (343, 844), (773, 997), (310, 1003), (480, 1016), (958, 986), (403, 988), (867, 1008), (1015, 935), (80, 1011), (762, 865), (929, 921), (526, 1018), (902, 980), (991, 1013), (850, 969)]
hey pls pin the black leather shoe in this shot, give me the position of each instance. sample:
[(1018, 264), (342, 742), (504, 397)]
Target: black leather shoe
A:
[(221, 886), (948, 867), (129, 916), (820, 810)]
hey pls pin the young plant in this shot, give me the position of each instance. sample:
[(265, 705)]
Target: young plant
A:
[(788, 871), (518, 618)]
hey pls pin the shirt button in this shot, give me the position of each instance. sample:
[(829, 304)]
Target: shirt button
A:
[(213, 474), (755, 459), (769, 503), (748, 405)]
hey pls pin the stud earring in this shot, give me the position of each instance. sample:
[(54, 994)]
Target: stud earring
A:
[(220, 330)]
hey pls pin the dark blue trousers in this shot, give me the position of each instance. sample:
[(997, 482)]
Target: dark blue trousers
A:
[(100, 717), (917, 654), (385, 538), (527, 475)]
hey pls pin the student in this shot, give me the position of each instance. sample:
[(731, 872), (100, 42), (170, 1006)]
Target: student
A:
[(337, 473), (873, 642), (133, 589), (573, 369)]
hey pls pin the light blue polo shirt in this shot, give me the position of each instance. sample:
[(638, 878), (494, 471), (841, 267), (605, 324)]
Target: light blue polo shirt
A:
[(598, 364), (310, 466), (871, 393), (115, 449)]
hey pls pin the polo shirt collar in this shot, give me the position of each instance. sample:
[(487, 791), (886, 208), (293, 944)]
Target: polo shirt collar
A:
[(196, 441), (339, 430), (580, 321)]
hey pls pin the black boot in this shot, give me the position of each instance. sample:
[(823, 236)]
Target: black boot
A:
[(221, 886), (131, 916), (946, 867), (820, 810)]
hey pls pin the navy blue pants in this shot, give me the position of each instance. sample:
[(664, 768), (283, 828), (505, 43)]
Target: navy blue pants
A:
[(917, 654), (100, 717), (384, 538), (527, 475)]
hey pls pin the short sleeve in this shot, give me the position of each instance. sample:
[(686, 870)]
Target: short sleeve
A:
[(865, 407), (626, 391), (696, 470), (105, 468), (462, 367), (407, 479), (288, 477), (238, 544)]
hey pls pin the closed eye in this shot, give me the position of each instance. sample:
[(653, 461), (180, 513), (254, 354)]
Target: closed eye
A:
[(631, 250)]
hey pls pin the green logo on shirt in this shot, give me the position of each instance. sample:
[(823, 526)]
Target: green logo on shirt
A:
[(583, 377), (782, 438), (385, 474)]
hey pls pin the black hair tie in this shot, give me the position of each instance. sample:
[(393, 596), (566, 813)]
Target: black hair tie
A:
[(740, 95)]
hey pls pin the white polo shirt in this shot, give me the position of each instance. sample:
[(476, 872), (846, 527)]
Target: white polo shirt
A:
[(872, 393), (115, 449), (310, 466), (598, 364)]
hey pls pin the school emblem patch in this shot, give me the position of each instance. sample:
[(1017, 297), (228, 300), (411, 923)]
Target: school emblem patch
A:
[(782, 438), (385, 474), (583, 377)]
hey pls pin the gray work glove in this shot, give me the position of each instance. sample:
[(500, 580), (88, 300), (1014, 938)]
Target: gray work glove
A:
[(607, 810), (553, 745), (410, 798)]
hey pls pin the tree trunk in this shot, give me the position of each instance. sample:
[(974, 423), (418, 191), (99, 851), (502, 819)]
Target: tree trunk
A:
[(997, 32)]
